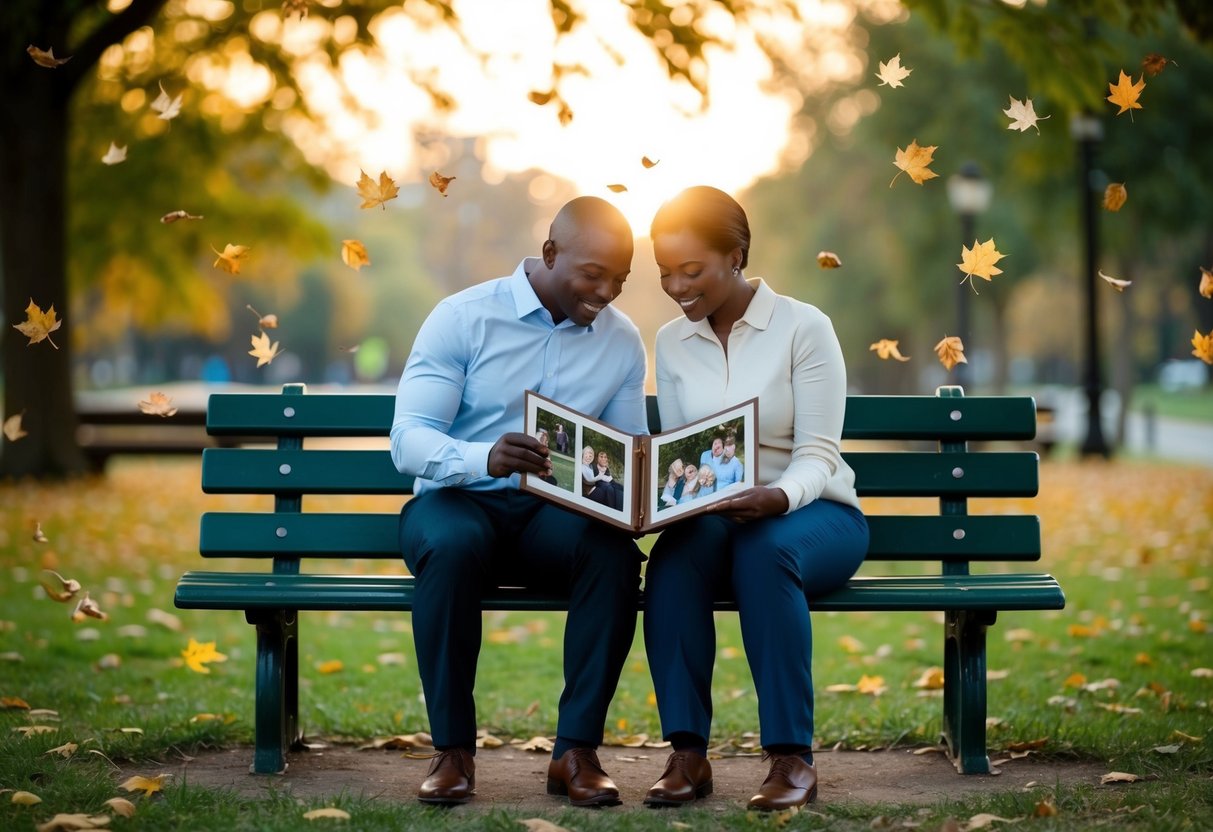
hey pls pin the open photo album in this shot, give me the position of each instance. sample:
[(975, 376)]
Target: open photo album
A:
[(642, 483)]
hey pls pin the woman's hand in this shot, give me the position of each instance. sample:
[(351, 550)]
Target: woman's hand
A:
[(753, 504)]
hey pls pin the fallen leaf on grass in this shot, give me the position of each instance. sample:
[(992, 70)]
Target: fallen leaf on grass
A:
[(1202, 673), (121, 806), (537, 744), (110, 661), (931, 679), (540, 825), (65, 750), (38, 325), (1167, 749), (327, 812), (13, 430), (400, 742), (331, 666), (158, 404), (198, 654), (164, 619), (1180, 735), (33, 730), (1045, 809), (1118, 777), (147, 785), (13, 703), (57, 587), (26, 799), (68, 822), (42, 713), (985, 819)]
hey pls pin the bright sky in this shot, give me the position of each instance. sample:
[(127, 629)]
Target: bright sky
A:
[(622, 111)]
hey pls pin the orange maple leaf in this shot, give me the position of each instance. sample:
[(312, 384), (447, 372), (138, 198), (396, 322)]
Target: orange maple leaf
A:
[(229, 259), (1125, 93), (354, 254), (1206, 283), (373, 193), (1203, 346), (158, 404), (887, 349), (440, 183), (951, 351), (1114, 196), (38, 325), (916, 161), (979, 261)]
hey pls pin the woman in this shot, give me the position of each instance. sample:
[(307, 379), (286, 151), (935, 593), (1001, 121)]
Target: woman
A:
[(797, 534), (690, 484), (707, 481), (541, 436), (612, 490), (673, 484)]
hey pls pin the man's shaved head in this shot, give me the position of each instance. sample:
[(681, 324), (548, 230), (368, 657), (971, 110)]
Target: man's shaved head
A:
[(587, 212)]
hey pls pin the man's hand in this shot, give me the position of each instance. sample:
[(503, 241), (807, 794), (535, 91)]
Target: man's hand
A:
[(516, 453), (753, 504)]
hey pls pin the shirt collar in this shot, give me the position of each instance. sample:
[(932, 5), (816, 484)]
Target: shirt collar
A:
[(525, 299), (757, 315)]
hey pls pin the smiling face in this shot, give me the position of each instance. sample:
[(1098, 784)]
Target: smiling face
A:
[(603, 460), (697, 277), (587, 455), (730, 450), (717, 446), (690, 473)]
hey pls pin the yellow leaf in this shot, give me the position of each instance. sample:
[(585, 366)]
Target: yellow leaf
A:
[(1116, 283), (1074, 680), (647, 162), (537, 744), (327, 812), (263, 350), (1023, 115), (121, 806), (197, 655), (1180, 735), (38, 325), (147, 785), (13, 703), (65, 750), (331, 666), (173, 216), (46, 58), (440, 183), (68, 822), (1081, 631), (158, 404), (12, 428), (828, 260), (1206, 283), (1143, 659), (168, 108), (115, 155), (28, 731), (564, 114), (981, 821), (26, 799), (1118, 777), (1125, 93), (887, 349), (373, 193), (651, 699), (229, 260), (540, 98), (1202, 346), (617, 189), (57, 587), (39, 537), (916, 161), (979, 261), (354, 255), (486, 740), (1114, 196), (871, 684), (892, 72), (850, 644), (951, 352), (931, 679), (88, 608)]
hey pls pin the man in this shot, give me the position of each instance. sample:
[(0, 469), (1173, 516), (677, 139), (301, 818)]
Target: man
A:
[(548, 328), (728, 469), (711, 457)]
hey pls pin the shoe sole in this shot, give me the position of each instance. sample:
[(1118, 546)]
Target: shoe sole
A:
[(701, 791), (444, 801), (556, 787), (758, 808)]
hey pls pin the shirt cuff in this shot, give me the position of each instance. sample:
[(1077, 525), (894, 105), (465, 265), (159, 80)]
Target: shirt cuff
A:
[(795, 492), (476, 460)]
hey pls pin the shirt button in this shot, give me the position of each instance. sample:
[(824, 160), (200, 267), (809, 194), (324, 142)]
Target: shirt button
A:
[(550, 375)]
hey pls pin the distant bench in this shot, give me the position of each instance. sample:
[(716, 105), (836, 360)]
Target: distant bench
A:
[(949, 542), (104, 433)]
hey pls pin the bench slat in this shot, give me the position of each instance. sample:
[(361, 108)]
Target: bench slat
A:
[(340, 535), (244, 590), (904, 474), (867, 417)]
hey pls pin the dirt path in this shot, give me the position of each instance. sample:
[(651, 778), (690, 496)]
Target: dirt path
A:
[(508, 778)]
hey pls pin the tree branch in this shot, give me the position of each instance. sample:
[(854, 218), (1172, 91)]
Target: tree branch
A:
[(138, 13)]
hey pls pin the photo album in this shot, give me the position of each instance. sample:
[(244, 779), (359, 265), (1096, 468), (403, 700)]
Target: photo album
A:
[(642, 483)]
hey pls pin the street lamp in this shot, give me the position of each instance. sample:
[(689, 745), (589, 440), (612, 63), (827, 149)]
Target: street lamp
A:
[(1087, 130), (969, 194)]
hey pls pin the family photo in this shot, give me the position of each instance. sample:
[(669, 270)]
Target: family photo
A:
[(701, 465)]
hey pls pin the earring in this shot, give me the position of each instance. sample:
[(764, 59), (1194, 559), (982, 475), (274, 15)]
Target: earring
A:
[(737, 271)]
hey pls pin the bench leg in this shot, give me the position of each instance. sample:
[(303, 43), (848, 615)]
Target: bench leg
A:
[(964, 694), (277, 697)]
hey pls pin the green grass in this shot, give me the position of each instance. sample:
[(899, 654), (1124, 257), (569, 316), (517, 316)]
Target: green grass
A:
[(1129, 542), (1193, 405)]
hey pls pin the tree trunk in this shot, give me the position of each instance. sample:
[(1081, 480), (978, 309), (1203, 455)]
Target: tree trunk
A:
[(33, 266)]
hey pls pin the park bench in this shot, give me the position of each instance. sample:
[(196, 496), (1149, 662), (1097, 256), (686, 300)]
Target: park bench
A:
[(950, 542)]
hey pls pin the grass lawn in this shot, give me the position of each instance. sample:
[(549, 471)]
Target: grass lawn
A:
[(1194, 405), (1121, 676)]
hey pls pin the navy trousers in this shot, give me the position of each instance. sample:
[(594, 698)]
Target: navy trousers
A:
[(772, 567), (458, 542)]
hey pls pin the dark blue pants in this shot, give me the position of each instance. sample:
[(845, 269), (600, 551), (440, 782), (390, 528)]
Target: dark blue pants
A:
[(772, 567), (458, 542)]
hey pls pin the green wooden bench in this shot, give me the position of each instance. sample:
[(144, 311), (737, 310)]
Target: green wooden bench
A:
[(950, 542)]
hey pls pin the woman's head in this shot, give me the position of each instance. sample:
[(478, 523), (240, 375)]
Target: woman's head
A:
[(711, 215), (690, 472), (587, 455), (676, 468), (707, 476), (541, 436)]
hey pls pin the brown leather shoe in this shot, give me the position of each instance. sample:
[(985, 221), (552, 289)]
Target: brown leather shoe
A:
[(579, 775), (451, 778), (687, 776), (791, 783)]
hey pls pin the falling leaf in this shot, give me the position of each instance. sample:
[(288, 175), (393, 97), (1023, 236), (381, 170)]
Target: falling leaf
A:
[(915, 160), (648, 163), (892, 72), (173, 216), (147, 785), (539, 744), (158, 404), (979, 261), (121, 806), (828, 260), (1202, 349), (617, 189), (564, 114), (38, 325), (331, 666), (327, 812), (47, 58), (931, 679), (1125, 93), (198, 655), (290, 7), (951, 352), (263, 350), (354, 255), (440, 182), (66, 822), (13, 431), (1023, 115), (168, 108), (13, 703), (229, 260), (88, 608), (887, 349), (1118, 777), (1206, 283), (541, 98), (39, 537), (1118, 284), (376, 194), (1114, 196), (1154, 63), (65, 750), (540, 825), (115, 155), (264, 321), (58, 588), (26, 799)]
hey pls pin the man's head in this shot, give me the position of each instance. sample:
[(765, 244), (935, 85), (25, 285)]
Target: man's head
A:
[(717, 445), (730, 446), (586, 259)]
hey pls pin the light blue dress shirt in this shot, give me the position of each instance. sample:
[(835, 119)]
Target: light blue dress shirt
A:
[(728, 473), (473, 358)]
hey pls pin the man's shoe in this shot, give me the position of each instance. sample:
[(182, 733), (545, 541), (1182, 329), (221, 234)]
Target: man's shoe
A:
[(687, 776), (791, 783), (579, 775), (451, 778)]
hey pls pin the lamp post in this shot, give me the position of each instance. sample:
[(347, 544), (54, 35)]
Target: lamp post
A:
[(969, 194), (1087, 130)]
